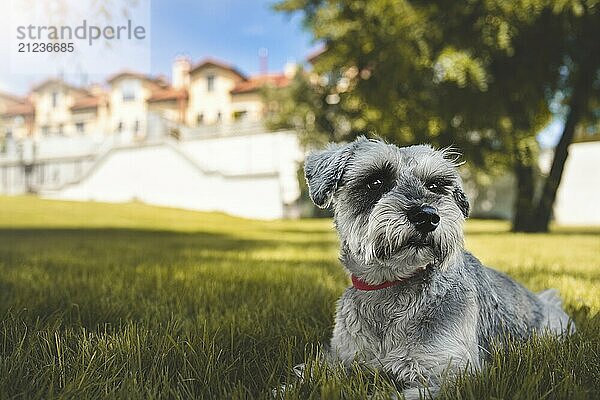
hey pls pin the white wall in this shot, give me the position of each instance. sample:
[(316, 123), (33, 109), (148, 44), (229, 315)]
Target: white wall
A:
[(578, 197), (250, 176), (252, 154)]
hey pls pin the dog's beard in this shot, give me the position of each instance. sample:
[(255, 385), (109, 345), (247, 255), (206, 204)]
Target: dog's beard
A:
[(391, 248), (379, 258), (383, 245), (382, 252), (396, 242), (390, 236)]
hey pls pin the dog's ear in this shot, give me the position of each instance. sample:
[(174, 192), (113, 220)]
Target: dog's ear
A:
[(461, 200), (324, 169), (453, 156)]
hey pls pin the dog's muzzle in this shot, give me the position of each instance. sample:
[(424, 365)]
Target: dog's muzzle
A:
[(425, 218)]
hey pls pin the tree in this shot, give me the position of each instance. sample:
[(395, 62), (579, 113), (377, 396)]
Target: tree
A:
[(480, 75), (581, 85)]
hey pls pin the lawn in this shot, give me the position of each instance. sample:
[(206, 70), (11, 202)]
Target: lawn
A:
[(136, 302)]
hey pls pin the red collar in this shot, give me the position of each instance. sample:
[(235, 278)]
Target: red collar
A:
[(362, 285)]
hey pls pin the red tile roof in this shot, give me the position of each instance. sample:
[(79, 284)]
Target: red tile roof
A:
[(19, 109), (11, 97), (59, 82), (168, 94), (160, 80), (211, 62), (86, 103), (256, 82)]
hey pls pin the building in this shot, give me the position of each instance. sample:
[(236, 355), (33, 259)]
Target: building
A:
[(207, 93), (16, 118), (196, 142)]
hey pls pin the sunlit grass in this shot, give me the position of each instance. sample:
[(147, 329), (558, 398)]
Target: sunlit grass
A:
[(132, 301)]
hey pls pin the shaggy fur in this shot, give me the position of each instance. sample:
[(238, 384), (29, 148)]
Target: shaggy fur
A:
[(449, 308)]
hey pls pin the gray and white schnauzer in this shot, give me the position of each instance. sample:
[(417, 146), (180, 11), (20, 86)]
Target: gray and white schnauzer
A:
[(420, 306)]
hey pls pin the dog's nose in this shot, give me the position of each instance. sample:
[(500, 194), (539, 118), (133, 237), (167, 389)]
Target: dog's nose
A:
[(425, 218)]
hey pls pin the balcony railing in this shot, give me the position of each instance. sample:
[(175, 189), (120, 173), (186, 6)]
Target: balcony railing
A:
[(222, 129)]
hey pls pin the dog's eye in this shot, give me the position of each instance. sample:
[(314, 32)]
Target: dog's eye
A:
[(433, 186), (375, 184), (439, 186)]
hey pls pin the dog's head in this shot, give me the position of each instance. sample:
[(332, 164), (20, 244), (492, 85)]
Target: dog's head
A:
[(397, 210)]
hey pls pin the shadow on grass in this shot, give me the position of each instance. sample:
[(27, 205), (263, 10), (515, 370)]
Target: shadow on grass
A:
[(101, 275), (208, 240), (554, 232)]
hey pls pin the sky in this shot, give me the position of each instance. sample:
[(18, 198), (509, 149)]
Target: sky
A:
[(550, 135), (230, 30), (233, 31)]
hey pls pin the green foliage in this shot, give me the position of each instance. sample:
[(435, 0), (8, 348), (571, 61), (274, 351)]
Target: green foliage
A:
[(136, 302), (476, 75), (482, 75), (311, 105)]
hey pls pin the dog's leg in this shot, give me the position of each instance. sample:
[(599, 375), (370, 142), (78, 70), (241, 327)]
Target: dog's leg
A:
[(557, 321)]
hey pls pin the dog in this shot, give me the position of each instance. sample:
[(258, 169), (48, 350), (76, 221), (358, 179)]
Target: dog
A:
[(420, 307)]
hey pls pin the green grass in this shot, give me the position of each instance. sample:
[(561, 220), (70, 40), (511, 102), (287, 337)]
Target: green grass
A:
[(131, 301)]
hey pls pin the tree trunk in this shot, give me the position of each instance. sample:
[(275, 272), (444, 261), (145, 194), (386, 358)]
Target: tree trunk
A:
[(578, 103), (525, 191)]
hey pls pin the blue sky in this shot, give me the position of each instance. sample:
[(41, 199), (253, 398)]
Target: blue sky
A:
[(230, 30)]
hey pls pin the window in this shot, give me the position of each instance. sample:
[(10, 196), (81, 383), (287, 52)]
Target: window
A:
[(130, 89), (210, 83), (54, 99), (120, 127), (136, 126), (45, 130), (60, 129), (3, 142), (200, 119), (240, 115), (80, 127)]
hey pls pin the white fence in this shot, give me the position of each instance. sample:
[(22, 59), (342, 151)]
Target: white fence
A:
[(240, 169), (245, 174), (578, 197)]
